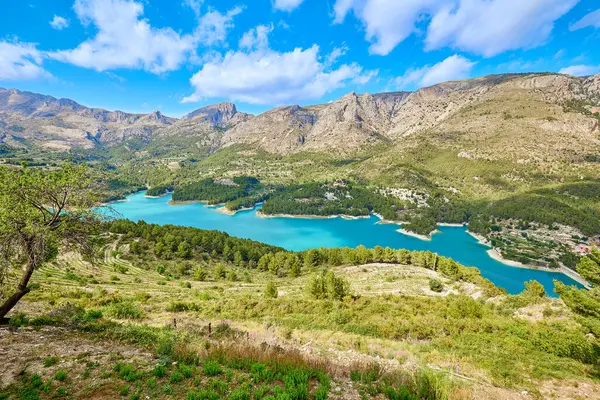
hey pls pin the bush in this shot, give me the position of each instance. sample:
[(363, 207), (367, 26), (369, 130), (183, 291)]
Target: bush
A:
[(159, 371), (328, 286), (202, 395), (200, 274), (239, 394), (17, 320), (212, 368), (271, 290), (92, 315), (232, 276), (176, 377), (127, 372), (220, 271), (50, 361), (534, 291), (60, 375), (124, 310), (436, 285)]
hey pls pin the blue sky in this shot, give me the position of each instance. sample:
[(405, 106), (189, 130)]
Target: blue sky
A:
[(178, 55)]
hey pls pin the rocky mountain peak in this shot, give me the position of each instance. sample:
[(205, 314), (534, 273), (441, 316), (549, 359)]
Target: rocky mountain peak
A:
[(217, 114), (157, 116)]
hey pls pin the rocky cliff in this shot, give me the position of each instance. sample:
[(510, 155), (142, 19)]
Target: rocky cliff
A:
[(533, 107)]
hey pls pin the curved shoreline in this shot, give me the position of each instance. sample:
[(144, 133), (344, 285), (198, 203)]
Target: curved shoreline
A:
[(480, 239), (227, 211), (426, 238), (496, 255), (260, 214), (491, 252)]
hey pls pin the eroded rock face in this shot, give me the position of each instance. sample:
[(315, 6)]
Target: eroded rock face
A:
[(220, 114), (504, 103), (62, 123)]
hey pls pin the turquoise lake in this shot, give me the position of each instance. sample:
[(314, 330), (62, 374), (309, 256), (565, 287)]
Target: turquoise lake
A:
[(304, 233)]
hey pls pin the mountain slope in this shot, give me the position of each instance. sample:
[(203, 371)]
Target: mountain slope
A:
[(541, 116), (30, 119)]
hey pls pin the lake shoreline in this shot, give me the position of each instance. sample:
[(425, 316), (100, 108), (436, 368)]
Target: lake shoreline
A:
[(189, 218), (260, 214), (227, 211), (480, 238), (426, 238), (157, 197), (497, 255)]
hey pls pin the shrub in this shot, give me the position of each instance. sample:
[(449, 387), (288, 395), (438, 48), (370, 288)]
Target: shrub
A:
[(17, 320), (220, 271), (200, 274), (92, 315), (212, 368), (436, 285), (50, 361), (124, 310), (239, 394), (328, 286), (176, 377), (186, 370), (127, 372), (202, 395), (60, 375), (271, 290), (232, 276), (159, 371)]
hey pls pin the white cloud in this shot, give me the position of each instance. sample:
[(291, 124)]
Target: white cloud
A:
[(59, 23), (452, 68), (194, 5), (493, 27), (125, 39), (286, 5), (386, 23), (341, 8), (256, 38), (486, 27), (591, 19), (264, 76), (214, 26), (20, 61), (336, 53), (581, 70)]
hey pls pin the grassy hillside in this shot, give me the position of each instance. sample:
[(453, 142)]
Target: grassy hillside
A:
[(137, 324)]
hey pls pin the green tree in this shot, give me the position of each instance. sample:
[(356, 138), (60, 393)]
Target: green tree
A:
[(220, 271), (311, 258), (40, 211), (200, 274), (589, 268), (534, 290), (232, 276), (238, 258), (184, 250), (325, 285), (271, 290), (436, 285), (363, 255)]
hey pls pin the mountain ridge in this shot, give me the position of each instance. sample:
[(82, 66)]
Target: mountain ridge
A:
[(349, 124)]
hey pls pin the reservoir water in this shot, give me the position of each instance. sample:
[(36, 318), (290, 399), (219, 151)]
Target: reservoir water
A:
[(304, 233)]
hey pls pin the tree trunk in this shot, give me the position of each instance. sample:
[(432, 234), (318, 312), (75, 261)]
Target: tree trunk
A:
[(21, 291)]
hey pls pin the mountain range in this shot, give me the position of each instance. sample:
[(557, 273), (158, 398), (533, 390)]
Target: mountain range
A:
[(555, 112)]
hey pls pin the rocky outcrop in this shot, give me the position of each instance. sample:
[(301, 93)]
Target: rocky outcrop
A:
[(62, 123), (491, 106), (221, 114)]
